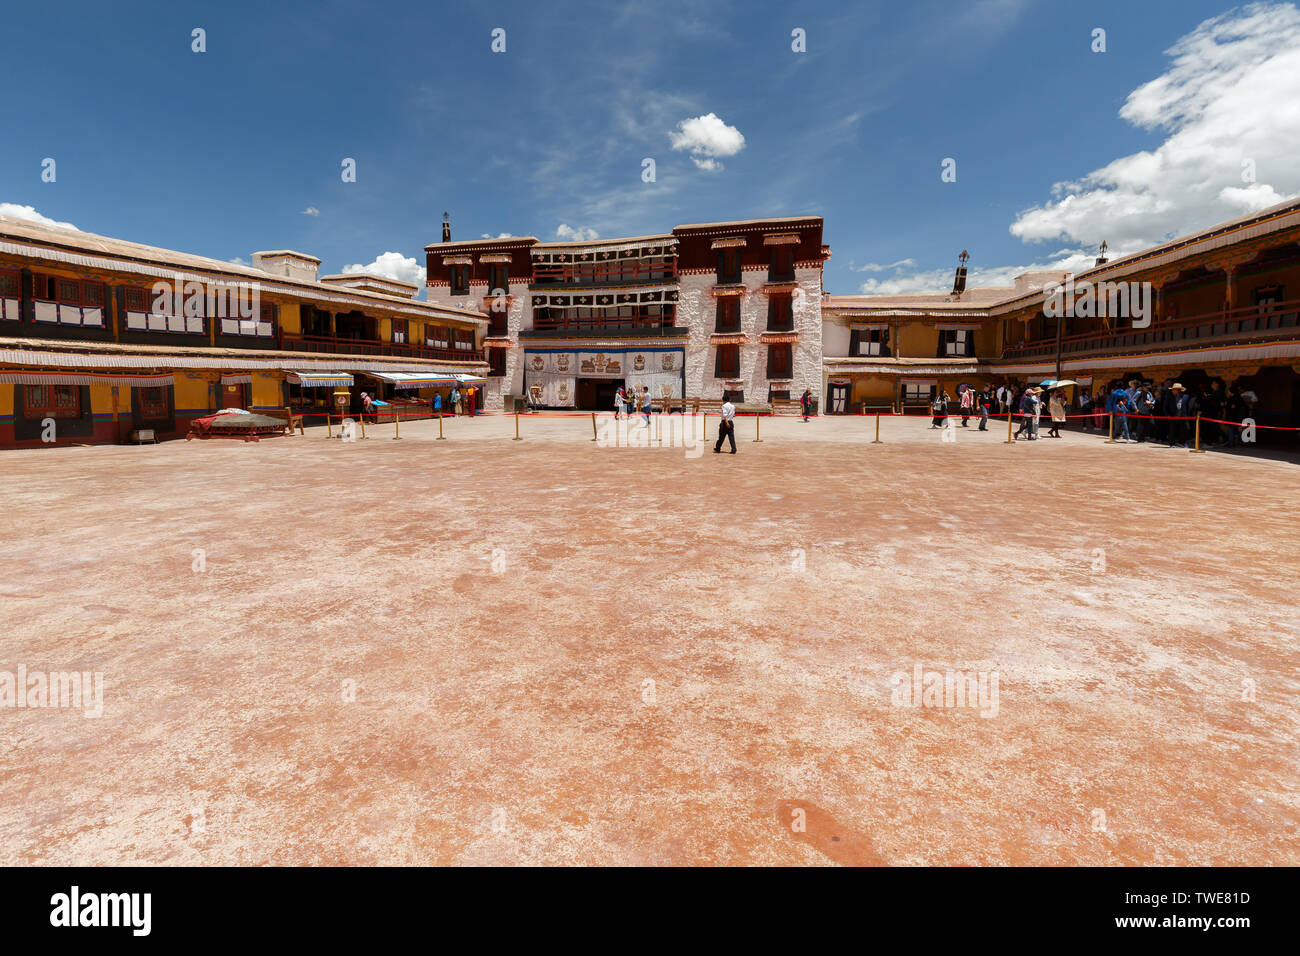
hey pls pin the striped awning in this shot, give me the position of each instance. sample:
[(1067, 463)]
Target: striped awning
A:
[(80, 378), (475, 380), (403, 380), (319, 379), (245, 379)]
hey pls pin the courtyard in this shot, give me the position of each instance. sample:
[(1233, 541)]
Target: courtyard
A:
[(551, 651)]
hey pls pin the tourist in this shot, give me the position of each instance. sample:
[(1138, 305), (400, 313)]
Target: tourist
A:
[(1057, 408), (806, 403), (1084, 401), (437, 404), (620, 403), (1117, 406), (967, 403), (939, 408), (455, 399), (982, 402), (727, 427), (1234, 411), (1028, 403), (367, 404), (1144, 403), (645, 404), (1181, 408)]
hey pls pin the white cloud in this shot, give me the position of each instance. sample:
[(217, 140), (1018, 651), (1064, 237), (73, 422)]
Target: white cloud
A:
[(238, 261), (394, 265), (311, 211), (706, 138), (940, 280), (500, 235), (881, 267), (1230, 104), (569, 234), (15, 211)]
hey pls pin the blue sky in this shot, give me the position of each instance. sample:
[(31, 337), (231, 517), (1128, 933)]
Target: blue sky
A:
[(220, 153)]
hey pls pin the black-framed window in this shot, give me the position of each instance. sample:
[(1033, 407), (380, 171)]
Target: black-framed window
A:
[(498, 277), (496, 362), (956, 342), (400, 328), (728, 314), (780, 360), (780, 312), (459, 276), (736, 395), (781, 265), (728, 266), (726, 363), (1269, 294), (869, 342)]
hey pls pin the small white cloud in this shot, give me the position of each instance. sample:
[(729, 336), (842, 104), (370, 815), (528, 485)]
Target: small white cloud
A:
[(580, 234), (238, 261), (881, 267), (706, 138), (1251, 198), (311, 211), (15, 211), (500, 235), (394, 265)]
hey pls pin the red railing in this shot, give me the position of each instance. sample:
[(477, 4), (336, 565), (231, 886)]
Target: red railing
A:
[(1249, 323), (326, 343)]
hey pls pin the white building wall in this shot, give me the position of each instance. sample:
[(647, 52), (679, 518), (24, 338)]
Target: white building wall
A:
[(697, 311), (519, 316)]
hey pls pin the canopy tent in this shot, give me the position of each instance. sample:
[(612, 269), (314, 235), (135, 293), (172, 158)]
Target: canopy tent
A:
[(405, 380), (475, 380), (320, 379)]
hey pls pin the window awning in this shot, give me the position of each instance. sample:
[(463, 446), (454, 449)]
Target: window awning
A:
[(470, 379), (403, 380), (10, 377), (320, 379)]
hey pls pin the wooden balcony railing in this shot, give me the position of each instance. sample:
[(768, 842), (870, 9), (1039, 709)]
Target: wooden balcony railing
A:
[(1252, 323), (337, 346), (602, 323)]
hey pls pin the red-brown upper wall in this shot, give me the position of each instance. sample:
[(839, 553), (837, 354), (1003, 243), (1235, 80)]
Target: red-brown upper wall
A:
[(521, 262), (695, 243)]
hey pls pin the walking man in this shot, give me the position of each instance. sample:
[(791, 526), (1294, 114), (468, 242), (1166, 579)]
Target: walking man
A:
[(967, 403), (727, 427)]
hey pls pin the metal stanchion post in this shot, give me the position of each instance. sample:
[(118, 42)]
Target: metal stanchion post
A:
[(397, 424), (877, 440), (329, 425), (1010, 439), (440, 437), (1110, 439), (517, 438), (757, 429), (593, 426), (363, 424), (1198, 450)]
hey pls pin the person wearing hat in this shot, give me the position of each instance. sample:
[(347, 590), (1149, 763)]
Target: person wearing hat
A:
[(1028, 414), (1056, 405), (1182, 408)]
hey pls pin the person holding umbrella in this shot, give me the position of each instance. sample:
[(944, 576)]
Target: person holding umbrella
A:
[(1056, 406)]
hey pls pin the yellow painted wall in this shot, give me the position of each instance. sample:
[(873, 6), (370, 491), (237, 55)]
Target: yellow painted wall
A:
[(192, 393), (266, 389), (7, 399), (916, 340), (101, 398), (291, 318), (385, 329)]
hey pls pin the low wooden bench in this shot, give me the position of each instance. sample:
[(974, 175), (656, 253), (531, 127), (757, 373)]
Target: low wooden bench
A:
[(786, 406), (292, 419)]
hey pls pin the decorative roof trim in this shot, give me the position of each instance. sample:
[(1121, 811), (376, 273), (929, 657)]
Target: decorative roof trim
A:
[(782, 239), (729, 243)]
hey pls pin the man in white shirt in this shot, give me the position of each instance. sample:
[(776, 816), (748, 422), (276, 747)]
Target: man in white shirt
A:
[(727, 427)]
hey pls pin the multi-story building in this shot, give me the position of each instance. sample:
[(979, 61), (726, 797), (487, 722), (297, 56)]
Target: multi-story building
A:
[(1222, 303), (106, 337), (713, 310)]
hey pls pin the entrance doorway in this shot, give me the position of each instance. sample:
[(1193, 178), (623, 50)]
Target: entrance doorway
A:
[(596, 394), (839, 399), (234, 396)]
